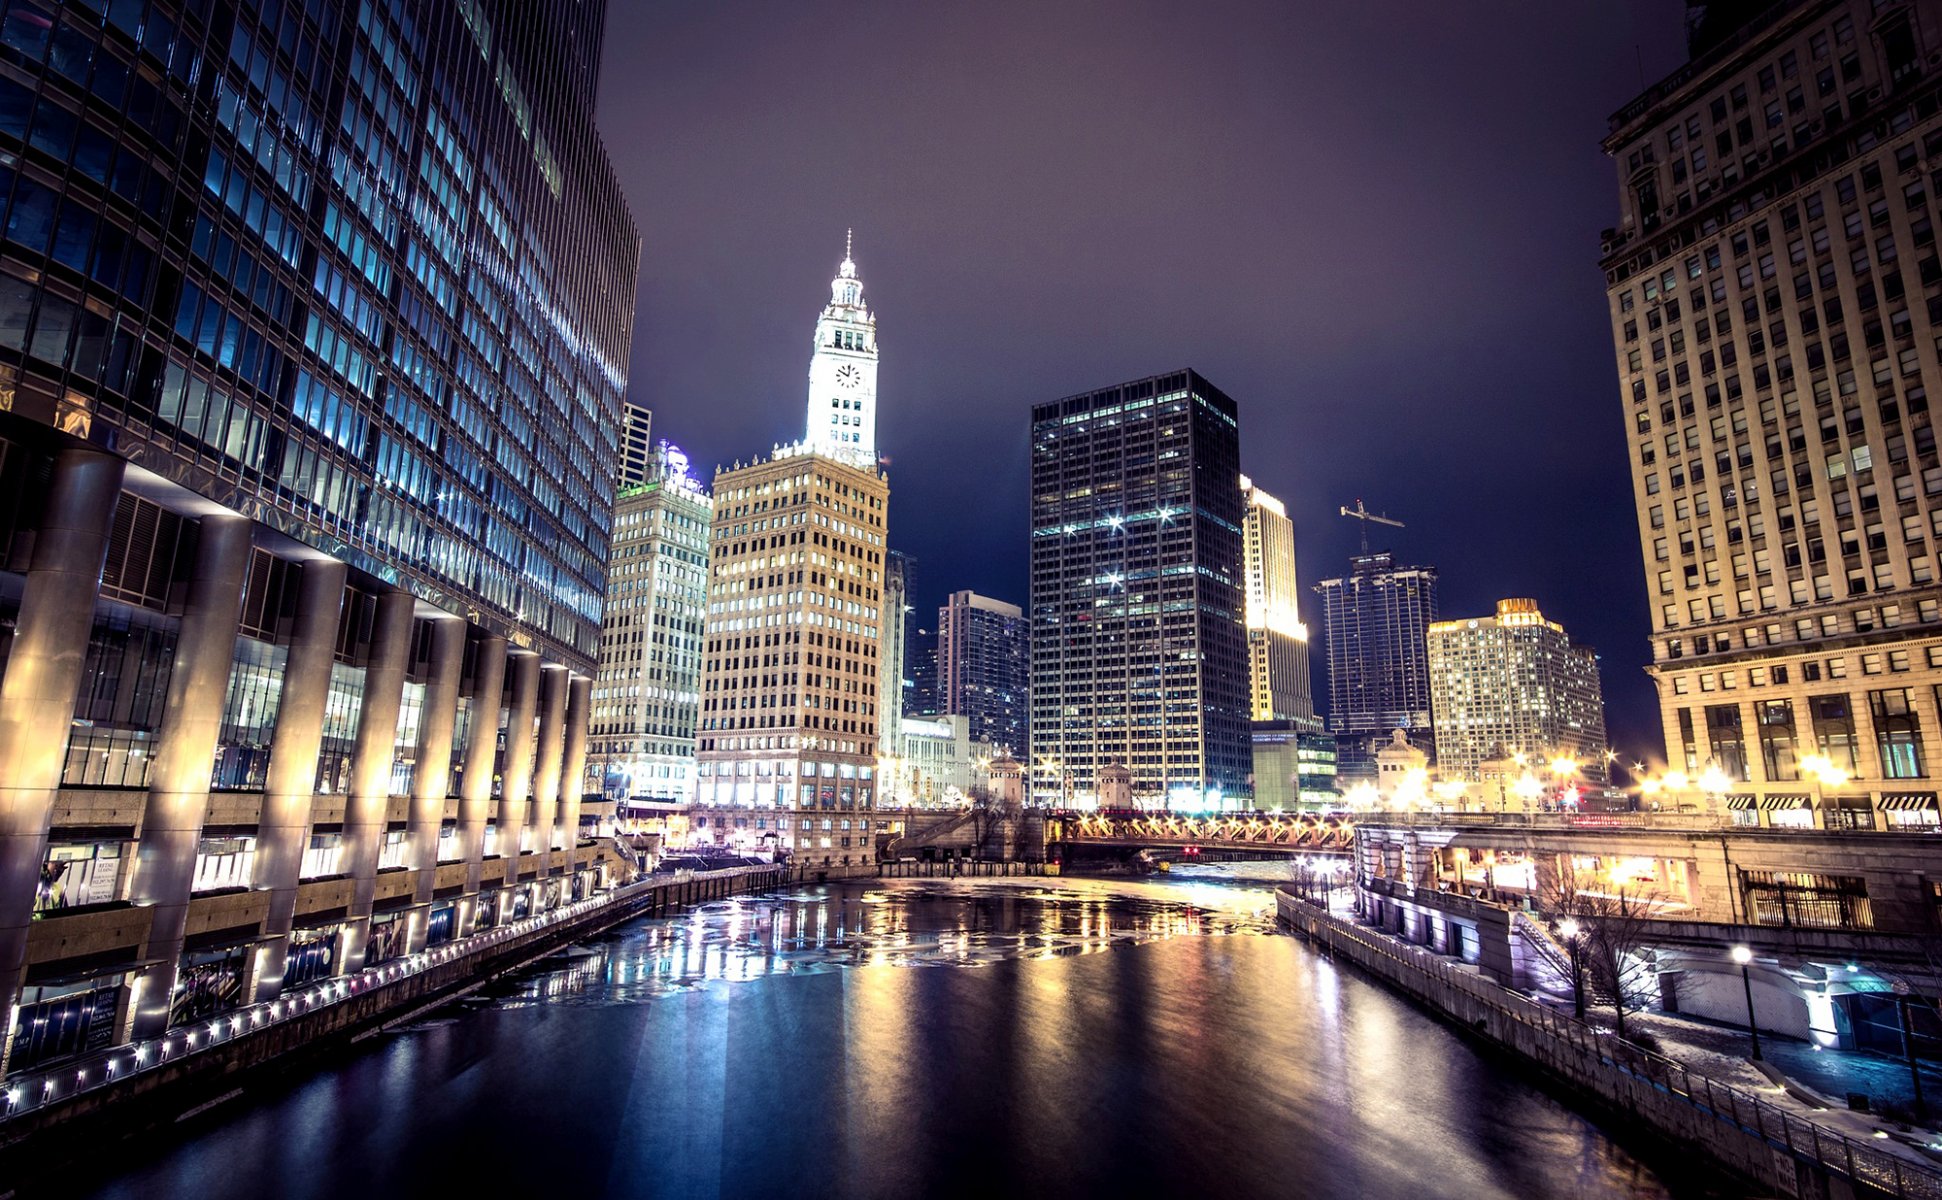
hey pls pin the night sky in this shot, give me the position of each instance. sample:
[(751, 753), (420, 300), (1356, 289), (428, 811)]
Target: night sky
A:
[(1374, 225)]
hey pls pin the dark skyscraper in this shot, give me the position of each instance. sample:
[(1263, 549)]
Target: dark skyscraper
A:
[(1138, 651), (1376, 619), (314, 323), (981, 667), (920, 697)]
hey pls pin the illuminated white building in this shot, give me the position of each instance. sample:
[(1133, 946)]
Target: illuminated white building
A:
[(1277, 641), (1513, 684), (843, 374), (646, 695), (938, 762)]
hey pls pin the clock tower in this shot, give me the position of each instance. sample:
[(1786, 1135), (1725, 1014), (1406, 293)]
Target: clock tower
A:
[(843, 373)]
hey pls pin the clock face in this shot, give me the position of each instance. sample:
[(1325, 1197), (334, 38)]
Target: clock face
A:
[(847, 376)]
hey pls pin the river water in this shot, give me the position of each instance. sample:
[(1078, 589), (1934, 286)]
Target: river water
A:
[(1007, 1037)]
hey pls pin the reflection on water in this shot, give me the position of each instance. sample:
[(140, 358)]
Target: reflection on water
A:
[(902, 923), (1094, 1038)]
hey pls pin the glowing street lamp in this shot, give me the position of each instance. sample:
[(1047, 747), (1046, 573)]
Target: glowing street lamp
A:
[(1742, 955), (1450, 792), (1528, 789), (1568, 930)]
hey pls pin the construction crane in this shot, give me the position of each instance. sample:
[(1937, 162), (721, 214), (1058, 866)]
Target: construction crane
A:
[(1365, 516)]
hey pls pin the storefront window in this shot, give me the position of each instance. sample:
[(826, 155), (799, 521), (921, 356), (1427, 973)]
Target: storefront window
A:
[(1898, 733), (1778, 753), (1834, 730), (1726, 739)]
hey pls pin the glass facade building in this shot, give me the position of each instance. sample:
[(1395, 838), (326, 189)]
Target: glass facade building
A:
[(314, 321), (1139, 655), (1376, 619)]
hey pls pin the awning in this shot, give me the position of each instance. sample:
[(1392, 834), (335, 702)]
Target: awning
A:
[(1907, 801), (1742, 802), (1787, 800)]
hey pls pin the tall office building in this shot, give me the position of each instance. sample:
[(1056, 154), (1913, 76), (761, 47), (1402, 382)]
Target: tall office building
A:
[(1375, 619), (791, 674), (1277, 641), (637, 464), (981, 667), (1775, 300), (1514, 684), (1138, 651), (920, 697), (891, 671), (314, 325), (647, 693)]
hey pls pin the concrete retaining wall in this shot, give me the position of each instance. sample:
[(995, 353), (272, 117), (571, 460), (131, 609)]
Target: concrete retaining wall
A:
[(1739, 1132), (54, 1132)]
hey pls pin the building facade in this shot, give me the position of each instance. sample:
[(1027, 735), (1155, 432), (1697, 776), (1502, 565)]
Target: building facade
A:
[(1277, 640), (793, 661), (314, 322), (1138, 650), (981, 667), (1294, 767), (920, 696), (647, 690), (892, 677), (939, 762), (1514, 684), (1376, 619), (1775, 300)]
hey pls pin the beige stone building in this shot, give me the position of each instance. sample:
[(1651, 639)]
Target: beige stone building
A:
[(1776, 300), (790, 669)]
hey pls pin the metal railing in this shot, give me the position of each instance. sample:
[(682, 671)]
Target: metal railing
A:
[(1685, 822), (37, 1088), (1834, 1151)]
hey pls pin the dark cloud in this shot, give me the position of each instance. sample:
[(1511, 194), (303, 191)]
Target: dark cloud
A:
[(1374, 225)]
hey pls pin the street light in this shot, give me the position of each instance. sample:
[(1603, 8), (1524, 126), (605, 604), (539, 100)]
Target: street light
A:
[(1743, 956), (1568, 930), (1528, 789)]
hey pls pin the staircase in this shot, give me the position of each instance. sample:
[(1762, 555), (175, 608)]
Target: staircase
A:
[(941, 831), (1545, 963)]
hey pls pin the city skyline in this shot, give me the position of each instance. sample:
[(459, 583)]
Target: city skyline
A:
[(997, 298)]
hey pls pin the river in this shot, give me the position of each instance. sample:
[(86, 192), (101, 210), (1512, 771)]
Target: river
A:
[(1014, 1037)]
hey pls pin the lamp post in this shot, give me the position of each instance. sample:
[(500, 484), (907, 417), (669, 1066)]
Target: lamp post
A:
[(1743, 956), (1528, 789), (1569, 931)]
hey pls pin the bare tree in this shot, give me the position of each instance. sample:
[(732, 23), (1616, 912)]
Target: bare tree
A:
[(1614, 938)]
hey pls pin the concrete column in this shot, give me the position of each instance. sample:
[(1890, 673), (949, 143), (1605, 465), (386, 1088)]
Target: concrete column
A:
[(516, 780), (43, 677), (481, 745), (546, 769), (290, 781), (573, 770), (432, 778), (368, 802), (185, 756)]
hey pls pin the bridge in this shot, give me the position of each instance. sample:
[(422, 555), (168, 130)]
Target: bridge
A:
[(1257, 832)]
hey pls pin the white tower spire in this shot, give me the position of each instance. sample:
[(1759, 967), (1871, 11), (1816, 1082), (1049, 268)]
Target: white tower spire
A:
[(843, 371)]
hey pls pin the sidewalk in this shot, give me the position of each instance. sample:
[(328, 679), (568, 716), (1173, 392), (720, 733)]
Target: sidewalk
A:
[(1720, 1053)]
